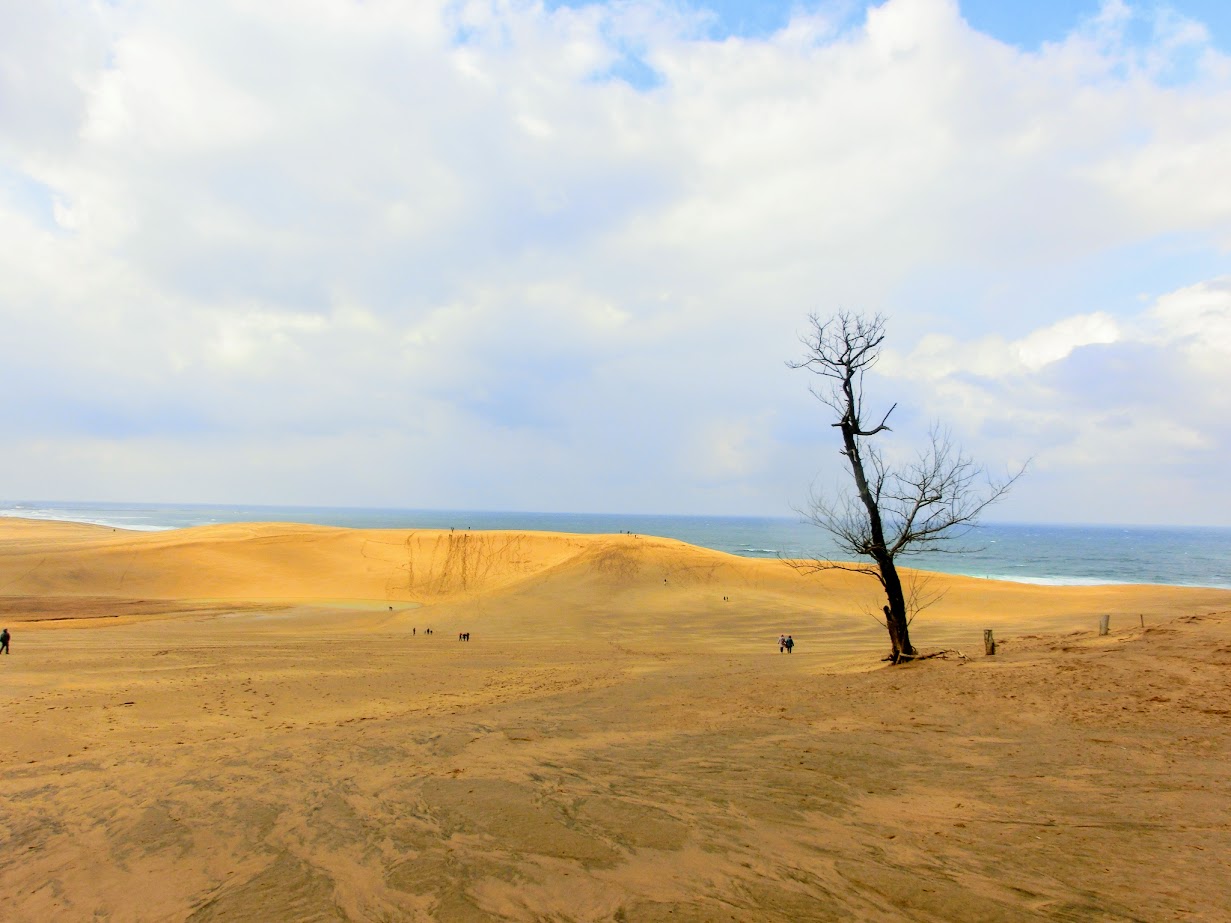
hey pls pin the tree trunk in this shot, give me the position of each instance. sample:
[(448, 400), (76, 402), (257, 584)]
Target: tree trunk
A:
[(895, 612)]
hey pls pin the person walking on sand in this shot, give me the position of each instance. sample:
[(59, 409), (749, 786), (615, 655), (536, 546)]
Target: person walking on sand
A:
[(790, 644), (4, 641), (781, 643)]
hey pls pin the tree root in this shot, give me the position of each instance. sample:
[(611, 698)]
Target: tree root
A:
[(896, 659)]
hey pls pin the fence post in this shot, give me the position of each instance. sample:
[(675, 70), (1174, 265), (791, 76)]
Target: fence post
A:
[(989, 643), (1104, 622)]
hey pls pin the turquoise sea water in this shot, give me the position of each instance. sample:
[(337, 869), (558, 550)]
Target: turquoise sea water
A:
[(1054, 554)]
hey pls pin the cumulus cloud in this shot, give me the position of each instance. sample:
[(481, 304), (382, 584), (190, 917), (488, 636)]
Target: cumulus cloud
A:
[(496, 254), (1106, 407)]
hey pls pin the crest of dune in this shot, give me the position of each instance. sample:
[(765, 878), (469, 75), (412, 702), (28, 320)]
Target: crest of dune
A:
[(290, 561)]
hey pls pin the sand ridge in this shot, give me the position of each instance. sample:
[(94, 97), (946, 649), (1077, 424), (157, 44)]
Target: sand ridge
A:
[(246, 730)]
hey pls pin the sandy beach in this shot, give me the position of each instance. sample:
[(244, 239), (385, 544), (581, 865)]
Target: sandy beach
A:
[(252, 722)]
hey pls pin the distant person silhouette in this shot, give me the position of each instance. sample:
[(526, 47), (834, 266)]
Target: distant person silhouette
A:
[(781, 643), (4, 641), (790, 644)]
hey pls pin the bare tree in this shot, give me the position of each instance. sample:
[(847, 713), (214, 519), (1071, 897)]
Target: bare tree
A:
[(895, 509)]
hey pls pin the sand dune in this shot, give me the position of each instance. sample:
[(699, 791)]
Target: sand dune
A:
[(270, 560), (237, 723), (516, 584)]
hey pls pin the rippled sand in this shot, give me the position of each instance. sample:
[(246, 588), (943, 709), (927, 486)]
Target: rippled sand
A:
[(250, 723)]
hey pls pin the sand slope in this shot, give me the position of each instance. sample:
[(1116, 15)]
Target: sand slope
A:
[(517, 584), (269, 560), (233, 724)]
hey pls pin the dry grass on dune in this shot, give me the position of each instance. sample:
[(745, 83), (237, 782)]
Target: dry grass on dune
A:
[(250, 731)]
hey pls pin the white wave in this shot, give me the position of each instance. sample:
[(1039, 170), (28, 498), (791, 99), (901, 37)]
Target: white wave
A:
[(1095, 581), (1054, 581), (69, 516)]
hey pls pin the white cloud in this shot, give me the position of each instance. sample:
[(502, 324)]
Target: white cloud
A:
[(1198, 319), (444, 247), (255, 338), (1058, 341), (1112, 406), (938, 357)]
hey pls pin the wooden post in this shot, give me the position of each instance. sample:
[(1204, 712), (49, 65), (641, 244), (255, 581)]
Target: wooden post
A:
[(989, 643), (1103, 624), (1143, 621)]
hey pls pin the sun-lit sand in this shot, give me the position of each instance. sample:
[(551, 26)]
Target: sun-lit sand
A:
[(251, 722)]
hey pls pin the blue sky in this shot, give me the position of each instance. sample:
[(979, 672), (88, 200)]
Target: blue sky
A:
[(1028, 25), (498, 254), (1024, 25)]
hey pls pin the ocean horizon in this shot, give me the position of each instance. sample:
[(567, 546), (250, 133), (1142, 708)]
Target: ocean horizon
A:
[(1052, 554)]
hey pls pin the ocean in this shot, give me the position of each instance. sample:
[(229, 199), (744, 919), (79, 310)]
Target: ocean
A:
[(1026, 553)]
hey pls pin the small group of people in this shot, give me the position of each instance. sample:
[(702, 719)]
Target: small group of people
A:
[(785, 643), (463, 636)]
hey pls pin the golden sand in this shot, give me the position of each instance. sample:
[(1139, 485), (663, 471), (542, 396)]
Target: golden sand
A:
[(249, 722)]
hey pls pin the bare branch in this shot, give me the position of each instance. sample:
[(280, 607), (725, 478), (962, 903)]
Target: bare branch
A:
[(881, 427), (816, 565)]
